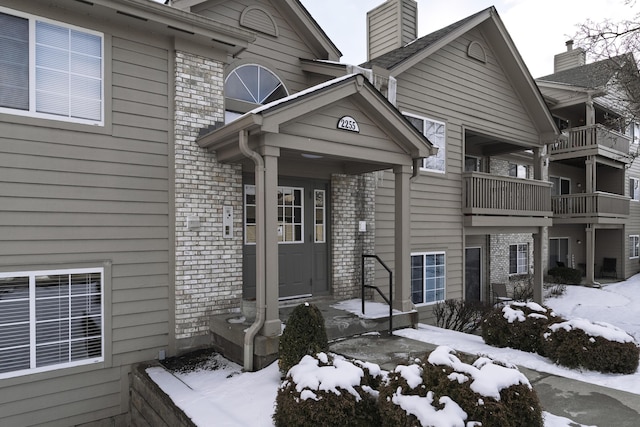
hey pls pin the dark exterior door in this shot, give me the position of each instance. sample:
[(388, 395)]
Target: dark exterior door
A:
[(473, 274), (302, 236)]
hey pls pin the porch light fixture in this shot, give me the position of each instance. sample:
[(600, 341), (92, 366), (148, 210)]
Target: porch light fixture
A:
[(311, 156)]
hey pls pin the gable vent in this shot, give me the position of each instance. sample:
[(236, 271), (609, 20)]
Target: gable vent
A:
[(476, 51), (256, 18)]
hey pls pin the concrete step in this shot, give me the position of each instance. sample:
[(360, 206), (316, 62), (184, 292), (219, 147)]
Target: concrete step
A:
[(227, 331)]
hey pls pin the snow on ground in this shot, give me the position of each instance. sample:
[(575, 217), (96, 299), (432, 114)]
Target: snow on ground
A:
[(228, 397)]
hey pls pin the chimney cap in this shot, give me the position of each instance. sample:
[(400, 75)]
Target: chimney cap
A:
[(569, 44)]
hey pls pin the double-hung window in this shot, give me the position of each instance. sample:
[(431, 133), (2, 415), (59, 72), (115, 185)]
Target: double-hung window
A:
[(50, 70), (634, 189), (519, 258), (634, 246), (517, 170), (435, 132), (50, 319), (428, 277)]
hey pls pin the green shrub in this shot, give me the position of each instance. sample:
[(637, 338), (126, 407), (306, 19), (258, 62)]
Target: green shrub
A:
[(518, 325), (446, 388), (329, 391), (305, 334), (566, 275), (600, 347), (460, 315)]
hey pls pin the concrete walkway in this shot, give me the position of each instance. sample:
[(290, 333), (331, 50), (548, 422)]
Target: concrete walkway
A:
[(585, 403)]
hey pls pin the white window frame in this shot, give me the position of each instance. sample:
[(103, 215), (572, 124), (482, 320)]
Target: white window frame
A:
[(522, 170), (634, 189), (634, 246), (33, 321), (440, 142), (440, 287), (32, 112), (522, 262)]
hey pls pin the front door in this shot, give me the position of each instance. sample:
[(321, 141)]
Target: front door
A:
[(473, 274), (302, 238)]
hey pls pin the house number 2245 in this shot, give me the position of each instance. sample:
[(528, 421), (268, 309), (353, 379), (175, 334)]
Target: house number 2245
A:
[(348, 123)]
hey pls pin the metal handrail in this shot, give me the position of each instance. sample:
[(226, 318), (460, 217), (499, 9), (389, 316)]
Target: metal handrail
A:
[(387, 300)]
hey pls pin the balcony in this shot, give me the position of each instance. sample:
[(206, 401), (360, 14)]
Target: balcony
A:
[(597, 208), (499, 201), (591, 140)]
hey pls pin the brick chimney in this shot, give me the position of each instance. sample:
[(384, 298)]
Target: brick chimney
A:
[(391, 25), (570, 59)]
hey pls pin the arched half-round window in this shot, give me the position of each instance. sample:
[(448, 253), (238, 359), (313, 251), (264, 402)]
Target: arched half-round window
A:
[(255, 84)]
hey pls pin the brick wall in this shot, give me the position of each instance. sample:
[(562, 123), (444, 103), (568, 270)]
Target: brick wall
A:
[(208, 271), (352, 200), (499, 243)]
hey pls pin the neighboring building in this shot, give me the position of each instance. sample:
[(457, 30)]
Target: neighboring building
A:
[(596, 196), (166, 164)]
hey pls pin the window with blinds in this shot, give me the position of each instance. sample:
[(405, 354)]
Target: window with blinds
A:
[(64, 80), (50, 319)]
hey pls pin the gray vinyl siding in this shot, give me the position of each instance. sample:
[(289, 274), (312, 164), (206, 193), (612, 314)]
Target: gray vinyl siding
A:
[(280, 54), (465, 94), (74, 195), (632, 266)]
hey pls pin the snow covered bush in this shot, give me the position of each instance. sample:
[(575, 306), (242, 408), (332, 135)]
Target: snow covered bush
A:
[(598, 346), (518, 325), (328, 390), (460, 315), (445, 391), (305, 334)]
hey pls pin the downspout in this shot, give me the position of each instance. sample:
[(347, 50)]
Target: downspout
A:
[(417, 164), (250, 333)]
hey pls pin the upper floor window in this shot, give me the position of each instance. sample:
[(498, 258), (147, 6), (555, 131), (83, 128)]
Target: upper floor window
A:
[(435, 133), (50, 319), (255, 84), (634, 189), (517, 170), (49, 69)]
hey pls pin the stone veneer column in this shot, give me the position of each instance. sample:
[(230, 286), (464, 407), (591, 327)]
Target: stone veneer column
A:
[(352, 200), (208, 267)]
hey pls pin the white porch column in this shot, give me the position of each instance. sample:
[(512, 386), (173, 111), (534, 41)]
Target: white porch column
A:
[(402, 294), (271, 326)]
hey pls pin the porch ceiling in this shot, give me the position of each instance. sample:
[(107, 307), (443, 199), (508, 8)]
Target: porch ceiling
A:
[(304, 129), (485, 145)]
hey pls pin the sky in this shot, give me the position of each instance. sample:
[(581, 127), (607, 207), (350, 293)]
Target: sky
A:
[(228, 397), (539, 28)]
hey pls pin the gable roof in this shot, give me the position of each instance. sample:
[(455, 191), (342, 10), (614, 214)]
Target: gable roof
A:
[(592, 76), (270, 118), (399, 60), (395, 57), (297, 15)]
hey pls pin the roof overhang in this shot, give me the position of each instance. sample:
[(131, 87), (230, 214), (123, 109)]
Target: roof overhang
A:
[(162, 19), (281, 124)]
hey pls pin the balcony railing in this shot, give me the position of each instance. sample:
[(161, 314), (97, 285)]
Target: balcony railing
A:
[(486, 194), (591, 137), (596, 204)]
